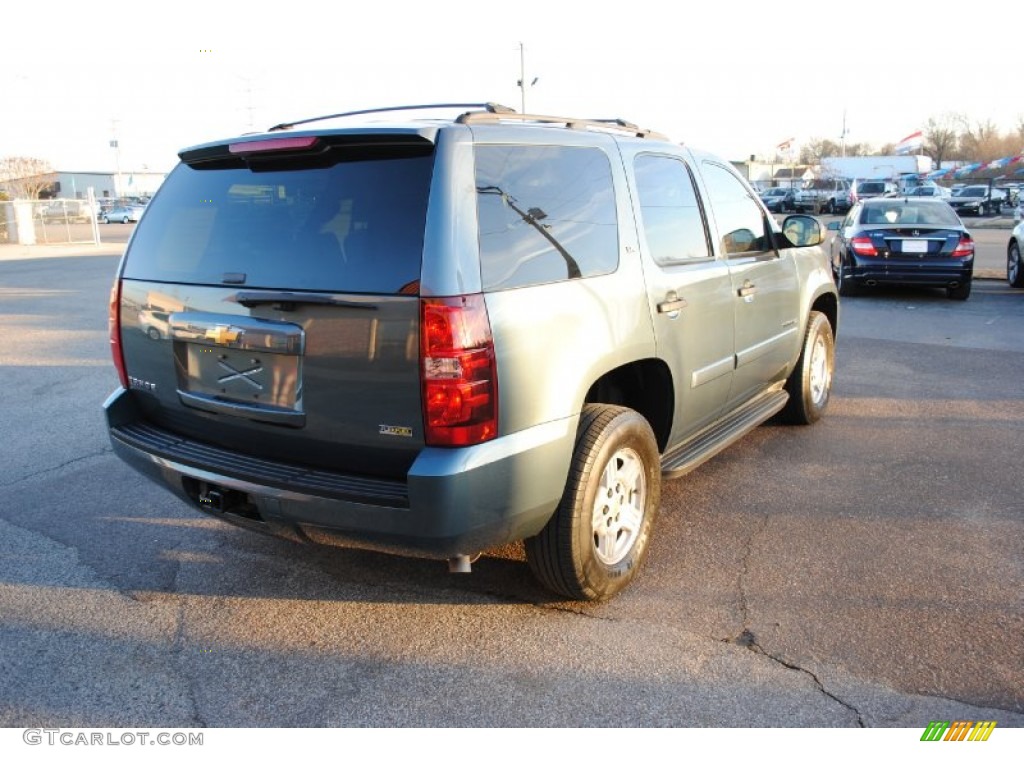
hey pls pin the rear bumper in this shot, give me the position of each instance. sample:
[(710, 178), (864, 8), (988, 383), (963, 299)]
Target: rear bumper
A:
[(452, 502), (939, 274)]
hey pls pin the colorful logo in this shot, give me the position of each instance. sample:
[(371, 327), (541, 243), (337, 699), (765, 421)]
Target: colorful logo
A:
[(958, 730)]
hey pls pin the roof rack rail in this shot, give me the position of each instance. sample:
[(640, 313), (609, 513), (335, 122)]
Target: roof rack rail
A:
[(613, 123), (489, 107)]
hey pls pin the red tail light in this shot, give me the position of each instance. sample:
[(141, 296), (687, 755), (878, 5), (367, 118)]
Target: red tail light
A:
[(964, 248), (863, 246), (460, 379), (114, 327)]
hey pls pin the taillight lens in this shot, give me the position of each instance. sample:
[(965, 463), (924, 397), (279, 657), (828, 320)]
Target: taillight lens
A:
[(964, 248), (114, 328), (863, 246), (459, 376)]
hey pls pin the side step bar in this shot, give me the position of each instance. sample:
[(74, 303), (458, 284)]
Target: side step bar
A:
[(688, 456)]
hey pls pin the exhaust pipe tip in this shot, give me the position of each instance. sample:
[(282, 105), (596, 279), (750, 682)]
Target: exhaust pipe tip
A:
[(460, 564)]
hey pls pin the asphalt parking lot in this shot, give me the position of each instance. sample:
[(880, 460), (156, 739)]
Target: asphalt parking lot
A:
[(863, 572)]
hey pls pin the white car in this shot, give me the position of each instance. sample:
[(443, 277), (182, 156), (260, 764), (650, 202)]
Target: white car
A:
[(1014, 268), (123, 213)]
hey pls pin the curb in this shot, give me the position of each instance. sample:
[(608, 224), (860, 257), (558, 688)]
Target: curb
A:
[(24, 252)]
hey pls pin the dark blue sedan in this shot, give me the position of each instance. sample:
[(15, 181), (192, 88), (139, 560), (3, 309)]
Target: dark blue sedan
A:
[(902, 241)]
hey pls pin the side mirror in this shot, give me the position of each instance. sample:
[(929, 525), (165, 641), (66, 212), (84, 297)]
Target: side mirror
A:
[(802, 231)]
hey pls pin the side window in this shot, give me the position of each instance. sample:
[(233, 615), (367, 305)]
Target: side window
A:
[(545, 214), (739, 218), (671, 217)]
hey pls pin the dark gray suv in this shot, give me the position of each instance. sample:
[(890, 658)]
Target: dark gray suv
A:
[(437, 336)]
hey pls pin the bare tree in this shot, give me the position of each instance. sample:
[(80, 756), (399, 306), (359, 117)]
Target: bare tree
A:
[(812, 152), (981, 142), (941, 136), (26, 177)]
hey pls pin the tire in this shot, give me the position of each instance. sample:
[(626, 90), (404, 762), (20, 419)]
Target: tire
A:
[(810, 383), (960, 293), (124, 220), (106, 220), (1014, 267), (844, 284), (596, 541), (153, 333), (830, 207)]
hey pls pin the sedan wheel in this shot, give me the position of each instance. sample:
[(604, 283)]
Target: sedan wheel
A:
[(845, 284), (1014, 269)]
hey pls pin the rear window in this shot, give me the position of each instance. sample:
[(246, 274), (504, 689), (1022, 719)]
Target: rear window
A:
[(871, 187), (897, 213), (356, 226)]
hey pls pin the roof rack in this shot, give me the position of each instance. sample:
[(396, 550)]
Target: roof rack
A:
[(488, 107), (608, 123)]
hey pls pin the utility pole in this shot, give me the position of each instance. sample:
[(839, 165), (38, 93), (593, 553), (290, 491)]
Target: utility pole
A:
[(522, 78), (842, 137), (117, 159)]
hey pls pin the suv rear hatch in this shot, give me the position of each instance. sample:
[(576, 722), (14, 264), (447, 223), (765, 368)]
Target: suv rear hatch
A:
[(288, 271)]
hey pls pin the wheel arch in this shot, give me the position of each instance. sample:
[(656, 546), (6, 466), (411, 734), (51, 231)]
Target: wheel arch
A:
[(646, 387), (828, 305)]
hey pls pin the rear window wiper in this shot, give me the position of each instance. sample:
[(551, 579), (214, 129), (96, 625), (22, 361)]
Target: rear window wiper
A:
[(287, 300)]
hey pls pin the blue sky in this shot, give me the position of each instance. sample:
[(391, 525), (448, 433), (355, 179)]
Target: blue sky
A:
[(735, 78)]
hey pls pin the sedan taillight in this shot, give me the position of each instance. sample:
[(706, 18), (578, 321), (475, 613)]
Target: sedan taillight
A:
[(964, 248), (863, 246)]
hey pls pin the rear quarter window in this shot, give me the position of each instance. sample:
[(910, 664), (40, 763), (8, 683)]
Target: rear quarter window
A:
[(545, 214), (356, 226)]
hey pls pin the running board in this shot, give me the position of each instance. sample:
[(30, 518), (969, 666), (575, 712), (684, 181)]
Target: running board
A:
[(691, 454)]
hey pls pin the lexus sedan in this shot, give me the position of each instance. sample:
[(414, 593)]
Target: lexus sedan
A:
[(902, 241)]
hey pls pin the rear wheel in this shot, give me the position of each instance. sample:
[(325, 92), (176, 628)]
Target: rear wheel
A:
[(844, 283), (1014, 269), (597, 539), (810, 383)]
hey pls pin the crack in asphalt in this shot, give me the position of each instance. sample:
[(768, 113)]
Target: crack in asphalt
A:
[(48, 470), (178, 648), (747, 639)]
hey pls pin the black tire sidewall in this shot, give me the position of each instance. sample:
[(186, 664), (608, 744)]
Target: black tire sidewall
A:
[(802, 409), (1014, 254), (599, 581)]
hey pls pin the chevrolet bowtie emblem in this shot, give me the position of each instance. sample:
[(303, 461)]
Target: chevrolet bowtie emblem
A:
[(223, 334)]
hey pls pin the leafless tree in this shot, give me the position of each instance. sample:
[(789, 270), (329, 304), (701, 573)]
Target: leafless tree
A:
[(941, 136), (981, 142), (25, 177)]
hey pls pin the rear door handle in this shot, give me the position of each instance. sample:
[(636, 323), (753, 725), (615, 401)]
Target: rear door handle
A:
[(672, 304), (748, 290)]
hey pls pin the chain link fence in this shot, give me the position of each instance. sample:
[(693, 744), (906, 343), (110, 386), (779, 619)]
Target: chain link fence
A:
[(45, 222)]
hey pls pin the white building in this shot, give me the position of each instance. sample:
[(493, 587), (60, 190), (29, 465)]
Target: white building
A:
[(74, 185)]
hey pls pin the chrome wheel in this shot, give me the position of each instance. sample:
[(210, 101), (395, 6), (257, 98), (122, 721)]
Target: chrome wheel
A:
[(820, 372), (618, 513), (1014, 273)]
